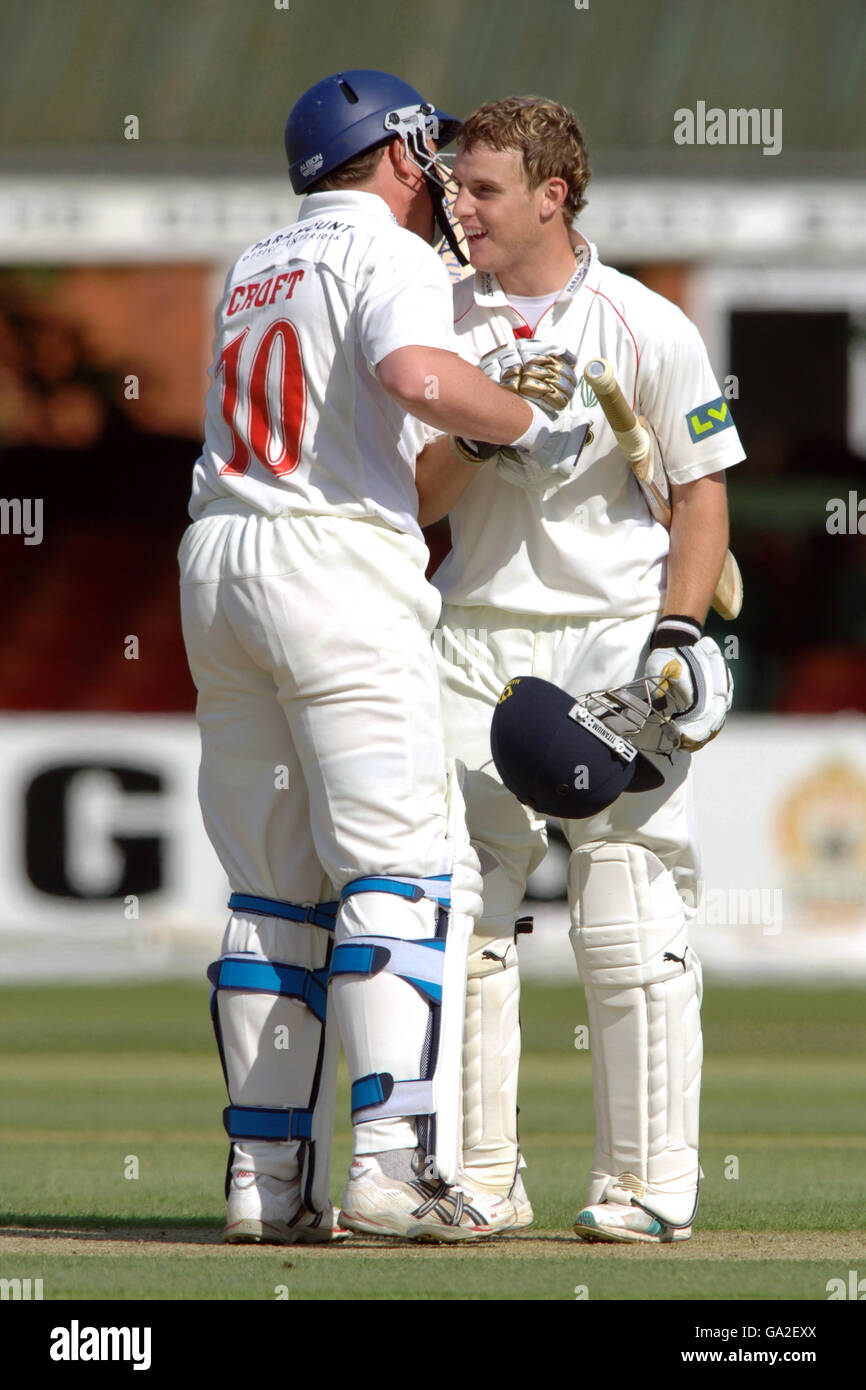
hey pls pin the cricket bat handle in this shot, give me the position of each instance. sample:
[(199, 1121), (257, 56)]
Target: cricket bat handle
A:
[(631, 436)]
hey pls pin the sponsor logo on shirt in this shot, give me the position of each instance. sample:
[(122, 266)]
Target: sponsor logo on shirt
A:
[(708, 419), (587, 395), (582, 257)]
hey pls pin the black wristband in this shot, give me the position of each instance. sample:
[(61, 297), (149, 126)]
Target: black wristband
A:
[(676, 630), (473, 451)]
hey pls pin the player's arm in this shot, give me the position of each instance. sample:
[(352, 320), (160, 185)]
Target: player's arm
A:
[(698, 545), (464, 405), (441, 479), (697, 682), (441, 389)]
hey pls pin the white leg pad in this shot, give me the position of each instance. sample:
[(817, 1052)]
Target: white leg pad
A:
[(277, 1054), (401, 1001), (643, 991), (465, 909), (384, 1021), (491, 1058)]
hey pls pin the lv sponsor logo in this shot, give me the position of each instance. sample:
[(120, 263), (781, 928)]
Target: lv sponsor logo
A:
[(709, 419)]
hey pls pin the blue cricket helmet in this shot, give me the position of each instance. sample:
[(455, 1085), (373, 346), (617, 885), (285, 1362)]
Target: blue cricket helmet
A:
[(563, 760), (350, 112)]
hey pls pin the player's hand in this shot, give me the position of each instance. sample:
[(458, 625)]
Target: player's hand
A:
[(552, 458), (542, 372), (698, 699)]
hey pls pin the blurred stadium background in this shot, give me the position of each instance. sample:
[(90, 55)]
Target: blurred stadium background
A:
[(141, 152)]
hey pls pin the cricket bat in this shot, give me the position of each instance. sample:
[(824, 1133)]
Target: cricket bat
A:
[(637, 445)]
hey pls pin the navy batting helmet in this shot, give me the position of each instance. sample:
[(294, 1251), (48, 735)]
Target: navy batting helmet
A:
[(562, 759), (350, 112)]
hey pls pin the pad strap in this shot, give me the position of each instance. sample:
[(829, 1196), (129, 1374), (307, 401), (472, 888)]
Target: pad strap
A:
[(379, 1097), (249, 972), (419, 963), (437, 887), (319, 914), (258, 1122)]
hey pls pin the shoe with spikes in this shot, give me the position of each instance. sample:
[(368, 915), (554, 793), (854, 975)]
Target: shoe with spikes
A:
[(265, 1211), (619, 1219), (420, 1209)]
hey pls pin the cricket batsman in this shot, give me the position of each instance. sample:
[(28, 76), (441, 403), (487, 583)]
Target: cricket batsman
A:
[(307, 618), (569, 579)]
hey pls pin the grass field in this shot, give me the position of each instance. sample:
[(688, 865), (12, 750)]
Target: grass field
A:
[(92, 1078)]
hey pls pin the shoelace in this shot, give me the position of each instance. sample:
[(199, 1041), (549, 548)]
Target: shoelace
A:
[(448, 1203)]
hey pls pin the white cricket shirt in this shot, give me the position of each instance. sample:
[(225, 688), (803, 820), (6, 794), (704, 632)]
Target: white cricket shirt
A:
[(587, 546), (296, 418)]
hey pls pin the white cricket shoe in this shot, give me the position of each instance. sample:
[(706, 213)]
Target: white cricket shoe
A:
[(424, 1210), (517, 1196), (266, 1211), (616, 1221), (520, 1201)]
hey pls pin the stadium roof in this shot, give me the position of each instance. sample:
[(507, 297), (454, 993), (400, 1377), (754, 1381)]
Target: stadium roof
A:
[(212, 80)]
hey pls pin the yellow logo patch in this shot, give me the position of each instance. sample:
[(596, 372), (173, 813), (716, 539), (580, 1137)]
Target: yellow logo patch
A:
[(709, 419)]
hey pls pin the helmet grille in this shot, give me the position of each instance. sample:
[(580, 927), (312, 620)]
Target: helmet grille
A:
[(348, 92)]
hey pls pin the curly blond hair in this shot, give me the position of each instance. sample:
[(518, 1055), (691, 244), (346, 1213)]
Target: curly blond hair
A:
[(547, 136)]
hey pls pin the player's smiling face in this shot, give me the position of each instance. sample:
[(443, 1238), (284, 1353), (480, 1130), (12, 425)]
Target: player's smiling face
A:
[(501, 216)]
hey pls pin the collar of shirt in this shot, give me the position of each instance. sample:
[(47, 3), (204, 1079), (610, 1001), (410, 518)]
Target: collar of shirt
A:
[(490, 294), (345, 201)]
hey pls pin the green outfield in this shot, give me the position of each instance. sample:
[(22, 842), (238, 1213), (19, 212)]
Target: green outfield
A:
[(101, 1084)]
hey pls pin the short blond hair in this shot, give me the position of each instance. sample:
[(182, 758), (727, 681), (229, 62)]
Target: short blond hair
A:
[(545, 134)]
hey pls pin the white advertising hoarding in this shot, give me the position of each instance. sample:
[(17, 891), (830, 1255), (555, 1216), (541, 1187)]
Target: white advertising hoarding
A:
[(103, 856), (107, 870)]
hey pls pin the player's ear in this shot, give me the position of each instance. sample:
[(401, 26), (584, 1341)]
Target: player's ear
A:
[(401, 164), (554, 194)]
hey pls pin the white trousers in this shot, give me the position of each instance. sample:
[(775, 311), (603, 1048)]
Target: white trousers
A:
[(322, 759), (478, 650), (322, 754)]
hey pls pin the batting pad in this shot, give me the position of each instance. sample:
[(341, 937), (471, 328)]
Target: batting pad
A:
[(398, 976), (279, 1048), (643, 991), (491, 1058)]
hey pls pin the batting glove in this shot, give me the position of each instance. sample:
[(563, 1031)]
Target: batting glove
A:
[(550, 459), (699, 697), (543, 374)]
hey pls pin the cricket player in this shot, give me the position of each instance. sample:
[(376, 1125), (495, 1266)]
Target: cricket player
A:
[(563, 574), (307, 620)]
